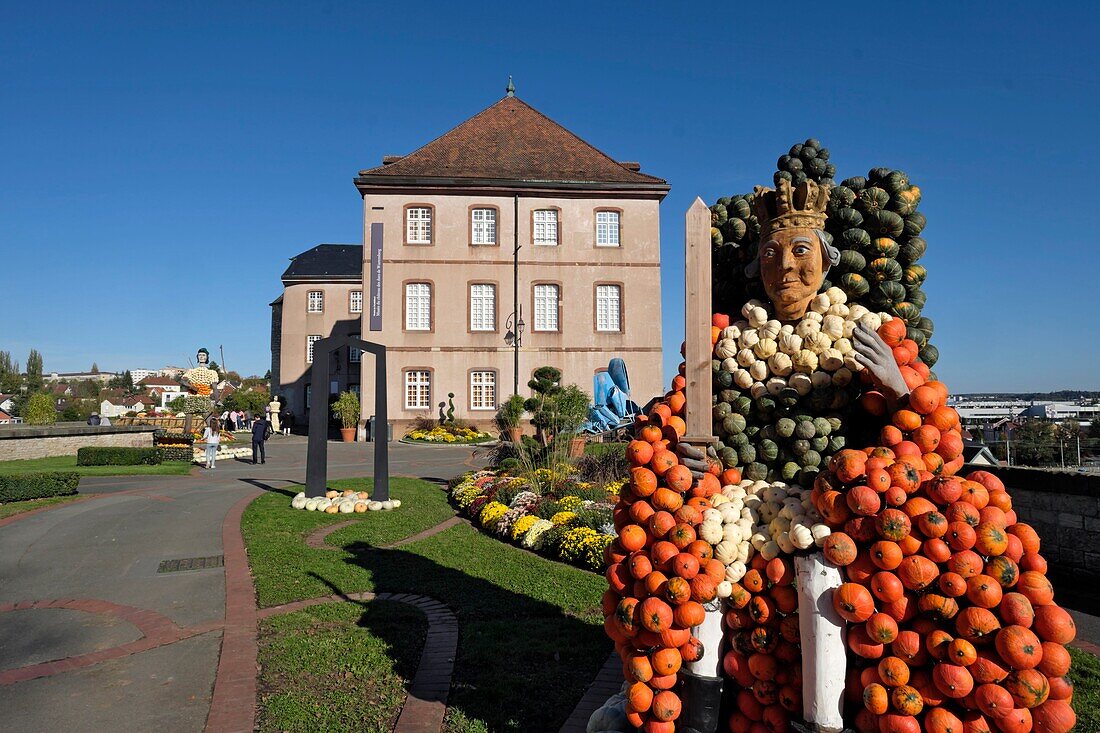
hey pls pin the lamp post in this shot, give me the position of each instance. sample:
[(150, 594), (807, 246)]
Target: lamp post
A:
[(514, 338)]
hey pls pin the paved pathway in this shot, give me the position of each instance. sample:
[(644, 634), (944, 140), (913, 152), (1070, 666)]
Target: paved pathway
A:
[(92, 637)]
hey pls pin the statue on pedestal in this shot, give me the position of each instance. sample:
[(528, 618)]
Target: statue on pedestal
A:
[(273, 409)]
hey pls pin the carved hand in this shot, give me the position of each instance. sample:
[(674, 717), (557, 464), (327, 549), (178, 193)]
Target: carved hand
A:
[(695, 459), (873, 353)]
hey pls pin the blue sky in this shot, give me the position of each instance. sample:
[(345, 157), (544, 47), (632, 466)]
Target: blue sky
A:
[(150, 150)]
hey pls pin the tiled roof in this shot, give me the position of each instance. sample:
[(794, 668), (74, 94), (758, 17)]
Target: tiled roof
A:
[(327, 261), (159, 382), (513, 141)]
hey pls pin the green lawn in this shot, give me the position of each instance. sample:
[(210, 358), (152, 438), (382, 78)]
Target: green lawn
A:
[(526, 623), (18, 507), (339, 666), (1085, 676), (68, 463)]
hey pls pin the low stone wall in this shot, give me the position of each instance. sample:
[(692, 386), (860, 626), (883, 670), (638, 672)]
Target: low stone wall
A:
[(1064, 508), (19, 442)]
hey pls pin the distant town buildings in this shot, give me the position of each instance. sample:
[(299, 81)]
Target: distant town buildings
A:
[(983, 413), (103, 377)]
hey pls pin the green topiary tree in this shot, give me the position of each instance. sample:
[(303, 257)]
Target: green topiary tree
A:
[(40, 410)]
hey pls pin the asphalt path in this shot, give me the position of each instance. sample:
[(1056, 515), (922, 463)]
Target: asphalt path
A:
[(108, 549)]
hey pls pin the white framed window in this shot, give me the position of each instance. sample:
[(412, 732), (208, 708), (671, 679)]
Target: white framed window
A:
[(483, 226), (607, 229), (354, 355), (310, 341), (418, 306), (483, 307), (547, 298), (545, 227), (355, 302), (418, 389), (608, 308), (418, 225), (316, 301), (483, 390)]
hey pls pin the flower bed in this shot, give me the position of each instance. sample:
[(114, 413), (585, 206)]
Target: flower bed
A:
[(551, 514), (442, 435)]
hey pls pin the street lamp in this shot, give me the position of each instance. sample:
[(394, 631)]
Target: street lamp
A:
[(514, 338)]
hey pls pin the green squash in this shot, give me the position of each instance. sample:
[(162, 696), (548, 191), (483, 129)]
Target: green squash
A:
[(716, 238), (728, 456), (914, 276), (723, 379), (835, 423), (805, 430), (913, 249), (719, 411), (914, 224), (884, 247), (747, 453), (767, 450), (736, 441), (742, 404), (851, 260), (855, 238), (917, 335), (876, 175), (930, 355), (883, 269), (917, 297), (822, 427), (873, 199), (842, 196), (734, 423), (904, 202), (800, 446), (811, 459), (907, 312), (784, 428), (884, 223), (756, 472), (856, 183), (765, 405), (728, 395), (887, 294), (807, 476), (849, 218), (895, 182), (816, 167), (739, 207), (836, 444), (926, 325), (734, 229), (752, 430), (788, 397), (789, 471), (718, 215), (854, 285)]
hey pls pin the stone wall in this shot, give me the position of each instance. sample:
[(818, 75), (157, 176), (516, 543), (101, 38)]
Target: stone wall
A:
[(1064, 508), (25, 441)]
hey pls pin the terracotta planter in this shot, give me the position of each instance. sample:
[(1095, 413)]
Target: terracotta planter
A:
[(576, 447), (515, 435), (348, 434)]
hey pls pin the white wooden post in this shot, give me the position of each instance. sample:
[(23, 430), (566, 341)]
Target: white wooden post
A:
[(824, 664)]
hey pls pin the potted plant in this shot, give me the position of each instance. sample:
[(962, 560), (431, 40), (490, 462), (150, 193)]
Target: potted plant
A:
[(509, 417), (346, 410)]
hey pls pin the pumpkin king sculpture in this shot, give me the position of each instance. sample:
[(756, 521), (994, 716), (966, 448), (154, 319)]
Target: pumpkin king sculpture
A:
[(835, 456)]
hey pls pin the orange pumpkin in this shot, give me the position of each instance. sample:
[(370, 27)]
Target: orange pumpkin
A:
[(941, 720), (893, 524), (994, 701), (643, 481), (988, 667), (1028, 687), (666, 706), (661, 523), (962, 652), (876, 698), (853, 602), (952, 680), (679, 478), (663, 460), (960, 535), (937, 606), (689, 614), (1036, 588), (966, 563), (640, 512), (932, 524), (990, 539), (885, 586), (639, 452), (882, 628), (862, 645), (952, 585), (983, 591), (1054, 716), (639, 565), (1004, 570), (667, 500), (907, 700), (893, 672), (1017, 721), (1027, 534), (639, 697), (917, 572), (908, 647), (1052, 623), (886, 555), (1055, 661), (677, 590), (938, 642), (839, 549), (936, 550), (976, 625), (1016, 609), (898, 723), (666, 661)]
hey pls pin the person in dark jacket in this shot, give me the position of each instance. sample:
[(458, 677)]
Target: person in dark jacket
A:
[(261, 429)]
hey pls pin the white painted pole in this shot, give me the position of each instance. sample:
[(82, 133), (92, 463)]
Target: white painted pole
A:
[(710, 633), (821, 628)]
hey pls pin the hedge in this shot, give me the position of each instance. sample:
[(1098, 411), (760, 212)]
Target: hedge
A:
[(38, 485), (92, 456)]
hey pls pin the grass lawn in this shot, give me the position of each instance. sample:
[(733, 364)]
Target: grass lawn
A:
[(1085, 676), (68, 463), (526, 623), (18, 507), (339, 666)]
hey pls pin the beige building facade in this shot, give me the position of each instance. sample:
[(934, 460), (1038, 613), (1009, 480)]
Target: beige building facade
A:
[(443, 298)]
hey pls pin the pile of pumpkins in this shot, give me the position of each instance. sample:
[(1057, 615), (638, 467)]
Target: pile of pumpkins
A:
[(953, 624), (345, 502)]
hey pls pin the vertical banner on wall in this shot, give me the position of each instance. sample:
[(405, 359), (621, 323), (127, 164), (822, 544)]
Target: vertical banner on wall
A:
[(376, 277)]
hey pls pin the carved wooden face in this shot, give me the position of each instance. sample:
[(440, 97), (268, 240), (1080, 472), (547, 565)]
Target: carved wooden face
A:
[(792, 269)]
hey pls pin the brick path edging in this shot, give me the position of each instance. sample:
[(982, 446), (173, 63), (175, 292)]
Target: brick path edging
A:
[(608, 682), (426, 703)]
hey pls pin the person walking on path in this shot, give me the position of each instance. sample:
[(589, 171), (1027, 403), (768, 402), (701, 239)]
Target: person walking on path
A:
[(261, 429), (211, 435)]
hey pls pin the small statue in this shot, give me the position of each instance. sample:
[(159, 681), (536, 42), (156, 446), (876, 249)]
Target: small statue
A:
[(202, 378), (273, 413)]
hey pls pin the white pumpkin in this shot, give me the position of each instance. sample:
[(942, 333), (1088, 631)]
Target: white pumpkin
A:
[(347, 507), (771, 329), (820, 533), (820, 379), (838, 309), (725, 348), (299, 500), (820, 303), (311, 504), (843, 345), (856, 311), (374, 506), (805, 361), (735, 571), (330, 494), (759, 371), (801, 536), (711, 532), (764, 348), (769, 550), (790, 343), (830, 360), (775, 385), (396, 503), (724, 589), (748, 339), (323, 504), (743, 378), (758, 317), (783, 539), (871, 321), (806, 327), (731, 533), (746, 358), (726, 552), (801, 384), (780, 364), (733, 331), (842, 377), (712, 515), (816, 343)]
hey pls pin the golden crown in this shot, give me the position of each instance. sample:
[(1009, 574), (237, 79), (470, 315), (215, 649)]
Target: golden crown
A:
[(790, 207)]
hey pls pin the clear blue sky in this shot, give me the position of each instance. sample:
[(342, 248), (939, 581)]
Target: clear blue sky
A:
[(160, 162)]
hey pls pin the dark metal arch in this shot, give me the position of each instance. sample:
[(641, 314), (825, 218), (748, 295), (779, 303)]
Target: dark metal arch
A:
[(317, 452)]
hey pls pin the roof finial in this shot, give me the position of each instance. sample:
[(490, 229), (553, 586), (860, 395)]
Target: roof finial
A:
[(510, 90)]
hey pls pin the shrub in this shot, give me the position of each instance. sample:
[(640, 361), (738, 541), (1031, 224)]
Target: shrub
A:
[(26, 486), (605, 465), (40, 410), (95, 456)]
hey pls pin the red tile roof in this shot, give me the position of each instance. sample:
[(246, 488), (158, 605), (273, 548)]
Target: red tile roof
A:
[(159, 382), (512, 141)]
